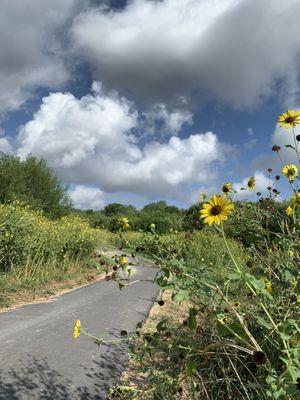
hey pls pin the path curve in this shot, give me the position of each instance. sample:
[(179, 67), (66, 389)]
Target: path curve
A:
[(40, 360)]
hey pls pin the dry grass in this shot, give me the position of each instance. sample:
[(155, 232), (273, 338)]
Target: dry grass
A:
[(22, 286)]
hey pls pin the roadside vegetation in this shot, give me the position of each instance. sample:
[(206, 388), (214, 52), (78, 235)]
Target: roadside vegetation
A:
[(44, 246), (226, 323)]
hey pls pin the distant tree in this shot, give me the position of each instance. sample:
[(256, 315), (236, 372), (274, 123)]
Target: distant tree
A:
[(32, 182), (191, 218), (118, 209), (173, 210), (156, 206)]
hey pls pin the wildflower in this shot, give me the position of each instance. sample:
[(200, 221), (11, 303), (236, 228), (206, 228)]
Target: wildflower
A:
[(216, 210), (124, 222), (276, 148), (288, 119), (77, 329), (295, 200), (251, 183), (236, 304), (289, 211), (277, 177), (259, 357), (123, 260), (290, 171), (227, 187), (268, 285), (152, 227), (269, 169)]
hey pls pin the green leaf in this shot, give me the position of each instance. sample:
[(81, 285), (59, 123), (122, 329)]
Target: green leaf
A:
[(190, 368), (181, 296), (192, 320), (263, 322)]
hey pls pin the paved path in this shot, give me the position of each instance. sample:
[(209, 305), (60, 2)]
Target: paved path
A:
[(39, 359)]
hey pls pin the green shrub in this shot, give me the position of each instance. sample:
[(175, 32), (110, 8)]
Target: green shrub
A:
[(26, 235)]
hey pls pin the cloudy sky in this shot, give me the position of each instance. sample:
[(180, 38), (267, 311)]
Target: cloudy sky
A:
[(139, 100)]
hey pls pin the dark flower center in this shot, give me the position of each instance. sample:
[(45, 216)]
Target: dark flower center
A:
[(289, 120), (291, 172), (259, 357), (216, 210)]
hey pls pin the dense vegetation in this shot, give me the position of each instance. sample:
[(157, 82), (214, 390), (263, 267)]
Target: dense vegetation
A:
[(32, 182), (165, 217), (231, 291)]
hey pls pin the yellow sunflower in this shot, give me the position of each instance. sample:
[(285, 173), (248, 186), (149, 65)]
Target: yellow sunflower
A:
[(295, 200), (123, 261), (251, 183), (216, 210), (289, 211), (227, 187), (268, 285), (290, 171), (124, 221), (77, 329), (288, 119)]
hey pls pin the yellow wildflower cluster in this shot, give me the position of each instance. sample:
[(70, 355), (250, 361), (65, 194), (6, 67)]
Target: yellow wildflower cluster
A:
[(218, 207), (28, 234)]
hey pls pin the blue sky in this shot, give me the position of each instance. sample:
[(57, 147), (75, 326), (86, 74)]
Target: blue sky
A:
[(143, 100)]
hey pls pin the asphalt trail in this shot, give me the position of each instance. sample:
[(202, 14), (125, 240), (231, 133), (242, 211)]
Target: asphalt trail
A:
[(39, 359)]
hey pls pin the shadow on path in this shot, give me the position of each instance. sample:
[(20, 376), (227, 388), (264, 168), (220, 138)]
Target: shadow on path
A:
[(37, 381)]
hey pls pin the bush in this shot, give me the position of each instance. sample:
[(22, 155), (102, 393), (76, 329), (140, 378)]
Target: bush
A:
[(26, 235)]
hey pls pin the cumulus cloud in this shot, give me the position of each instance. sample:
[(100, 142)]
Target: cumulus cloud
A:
[(89, 141), (262, 182), (283, 137), (164, 121), (5, 145), (31, 54), (84, 197), (236, 50)]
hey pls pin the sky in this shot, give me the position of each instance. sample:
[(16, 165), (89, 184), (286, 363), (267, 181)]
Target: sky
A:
[(141, 100)]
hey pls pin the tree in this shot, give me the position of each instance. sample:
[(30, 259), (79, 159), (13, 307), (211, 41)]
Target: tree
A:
[(191, 219), (156, 206), (118, 209), (33, 182)]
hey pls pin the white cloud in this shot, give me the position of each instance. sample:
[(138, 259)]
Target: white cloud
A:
[(262, 182), (84, 197), (31, 55), (283, 137), (172, 121), (236, 50), (89, 141), (5, 145), (250, 144)]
